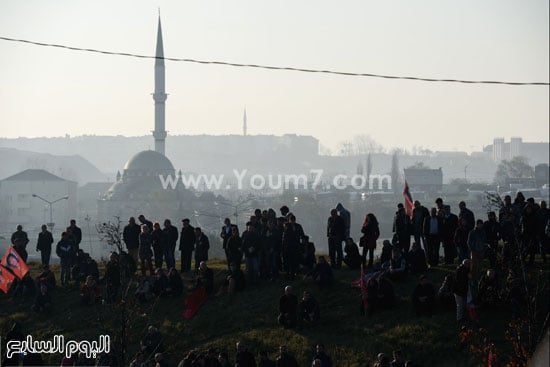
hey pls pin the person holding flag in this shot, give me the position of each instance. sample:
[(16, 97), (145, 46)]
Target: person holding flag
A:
[(408, 200)]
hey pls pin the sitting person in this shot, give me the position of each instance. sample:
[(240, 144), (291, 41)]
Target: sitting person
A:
[(111, 279), (175, 284), (152, 341), (322, 356), (321, 273), (89, 292), (46, 277), (307, 259), (352, 258), (398, 360), (24, 288), (285, 359), (43, 301), (369, 300), (235, 281), (160, 283), (385, 256), (445, 293), (382, 360), (489, 290), (416, 260), (423, 297), (309, 308), (288, 308), (76, 272), (398, 265), (143, 290), (386, 294), (204, 277), (89, 267)]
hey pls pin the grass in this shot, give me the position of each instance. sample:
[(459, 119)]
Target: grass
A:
[(351, 339)]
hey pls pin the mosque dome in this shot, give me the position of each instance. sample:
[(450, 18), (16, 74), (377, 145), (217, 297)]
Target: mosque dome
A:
[(147, 161)]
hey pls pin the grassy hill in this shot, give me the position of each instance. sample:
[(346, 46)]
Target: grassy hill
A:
[(351, 339)]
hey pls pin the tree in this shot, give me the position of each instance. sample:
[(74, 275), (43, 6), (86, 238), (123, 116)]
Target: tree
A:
[(111, 234), (394, 170), (369, 166), (360, 168), (346, 148), (364, 144), (517, 167)]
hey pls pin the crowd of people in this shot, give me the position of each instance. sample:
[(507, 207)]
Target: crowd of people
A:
[(274, 246)]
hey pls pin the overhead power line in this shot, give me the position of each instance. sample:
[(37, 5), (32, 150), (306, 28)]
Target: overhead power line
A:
[(270, 67)]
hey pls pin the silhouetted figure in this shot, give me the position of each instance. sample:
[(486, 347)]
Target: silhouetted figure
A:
[(44, 245), (187, 245)]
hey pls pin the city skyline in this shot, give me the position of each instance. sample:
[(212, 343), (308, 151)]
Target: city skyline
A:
[(110, 95)]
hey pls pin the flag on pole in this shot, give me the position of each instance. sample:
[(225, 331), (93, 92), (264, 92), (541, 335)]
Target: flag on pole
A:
[(13, 262), (6, 279), (408, 200)]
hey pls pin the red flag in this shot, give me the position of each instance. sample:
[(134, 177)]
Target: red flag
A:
[(14, 263), (193, 302), (6, 278), (408, 200)]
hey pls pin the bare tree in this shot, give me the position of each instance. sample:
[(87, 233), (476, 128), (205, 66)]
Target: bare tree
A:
[(110, 233)]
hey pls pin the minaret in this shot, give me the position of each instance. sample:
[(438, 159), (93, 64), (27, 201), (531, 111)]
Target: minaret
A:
[(159, 96), (244, 123)]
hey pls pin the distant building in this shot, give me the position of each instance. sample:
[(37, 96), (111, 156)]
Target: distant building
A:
[(424, 179), (19, 206), (542, 174), (498, 149), (535, 152)]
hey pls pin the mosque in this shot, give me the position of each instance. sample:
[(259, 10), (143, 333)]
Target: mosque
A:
[(138, 190)]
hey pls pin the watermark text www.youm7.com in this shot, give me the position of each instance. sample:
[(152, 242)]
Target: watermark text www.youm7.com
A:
[(242, 179)]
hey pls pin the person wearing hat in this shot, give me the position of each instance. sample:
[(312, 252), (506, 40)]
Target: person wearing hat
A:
[(423, 297)]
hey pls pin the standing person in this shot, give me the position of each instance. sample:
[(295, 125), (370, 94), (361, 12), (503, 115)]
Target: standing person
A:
[(460, 240), (274, 244), (467, 214), (156, 236), (346, 216), (371, 232), (19, 236), (225, 234), (233, 248), (66, 251), (187, 245), (75, 232), (449, 226), (290, 246), (147, 222), (145, 252), (130, 235), (401, 227), (336, 229), (44, 245), (492, 233), (202, 245), (251, 248), (461, 289), (322, 356), (477, 243), (169, 239), (432, 232), (420, 213)]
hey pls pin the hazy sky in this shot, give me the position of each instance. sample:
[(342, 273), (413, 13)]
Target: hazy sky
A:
[(51, 92)]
